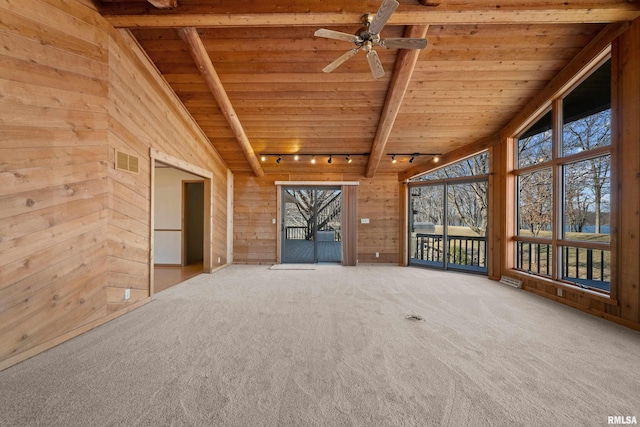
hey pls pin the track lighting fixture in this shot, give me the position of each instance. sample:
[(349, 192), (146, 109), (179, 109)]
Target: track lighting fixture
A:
[(329, 156), (395, 157)]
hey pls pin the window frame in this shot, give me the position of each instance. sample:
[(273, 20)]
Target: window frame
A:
[(557, 240)]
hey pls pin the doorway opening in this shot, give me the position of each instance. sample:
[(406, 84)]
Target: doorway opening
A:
[(311, 225), (181, 198), (192, 222)]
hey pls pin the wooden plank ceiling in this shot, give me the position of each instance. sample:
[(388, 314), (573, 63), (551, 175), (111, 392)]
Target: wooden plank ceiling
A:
[(482, 65)]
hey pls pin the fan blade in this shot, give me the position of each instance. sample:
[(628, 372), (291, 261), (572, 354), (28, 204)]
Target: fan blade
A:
[(375, 64), (341, 60), (384, 13), (403, 43), (336, 35)]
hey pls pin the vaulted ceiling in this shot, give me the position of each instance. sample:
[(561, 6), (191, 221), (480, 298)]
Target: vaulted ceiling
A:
[(250, 73)]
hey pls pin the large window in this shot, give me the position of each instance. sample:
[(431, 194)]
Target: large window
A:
[(564, 186)]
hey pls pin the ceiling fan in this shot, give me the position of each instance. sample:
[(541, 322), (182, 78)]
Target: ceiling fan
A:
[(369, 36)]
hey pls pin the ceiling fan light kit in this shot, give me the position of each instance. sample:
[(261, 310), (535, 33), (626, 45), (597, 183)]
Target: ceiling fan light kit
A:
[(368, 36)]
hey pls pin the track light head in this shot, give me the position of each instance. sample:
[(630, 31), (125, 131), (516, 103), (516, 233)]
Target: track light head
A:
[(279, 159), (330, 159)]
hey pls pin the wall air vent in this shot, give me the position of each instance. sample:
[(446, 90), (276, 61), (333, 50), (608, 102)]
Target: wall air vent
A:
[(126, 162)]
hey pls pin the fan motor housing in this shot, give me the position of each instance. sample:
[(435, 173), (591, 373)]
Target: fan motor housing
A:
[(364, 33)]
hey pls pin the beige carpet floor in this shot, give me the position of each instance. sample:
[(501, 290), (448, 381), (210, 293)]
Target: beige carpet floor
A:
[(250, 346)]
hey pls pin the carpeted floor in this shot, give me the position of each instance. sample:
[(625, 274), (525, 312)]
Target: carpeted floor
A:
[(250, 346)]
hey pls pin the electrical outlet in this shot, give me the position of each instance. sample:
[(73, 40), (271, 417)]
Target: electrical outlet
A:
[(218, 260), (559, 292), (364, 220), (377, 254), (127, 294)]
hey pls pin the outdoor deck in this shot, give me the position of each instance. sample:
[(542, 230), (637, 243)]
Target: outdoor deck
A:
[(301, 251)]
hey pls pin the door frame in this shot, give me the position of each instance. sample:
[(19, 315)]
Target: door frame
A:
[(207, 176), (279, 214), (315, 230)]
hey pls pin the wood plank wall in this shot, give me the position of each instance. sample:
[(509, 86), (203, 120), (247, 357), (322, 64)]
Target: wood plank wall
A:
[(74, 231), (255, 206), (144, 113), (627, 69), (53, 172)]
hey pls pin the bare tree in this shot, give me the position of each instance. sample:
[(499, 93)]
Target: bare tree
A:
[(468, 203), (535, 201), (309, 203), (585, 134)]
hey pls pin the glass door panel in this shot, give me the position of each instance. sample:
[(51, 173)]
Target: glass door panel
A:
[(426, 232), (328, 225), (467, 226), (298, 238)]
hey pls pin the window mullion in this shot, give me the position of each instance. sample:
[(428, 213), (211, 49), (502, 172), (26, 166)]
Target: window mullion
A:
[(558, 192)]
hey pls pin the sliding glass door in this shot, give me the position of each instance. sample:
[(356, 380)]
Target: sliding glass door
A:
[(447, 225), (311, 224)]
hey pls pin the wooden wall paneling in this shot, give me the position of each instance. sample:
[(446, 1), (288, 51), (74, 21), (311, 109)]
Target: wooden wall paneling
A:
[(279, 225), (196, 154), (152, 227), (378, 200), (350, 225), (80, 230), (146, 113), (230, 210), (208, 260), (53, 175), (627, 97), (496, 232), (255, 205), (403, 199)]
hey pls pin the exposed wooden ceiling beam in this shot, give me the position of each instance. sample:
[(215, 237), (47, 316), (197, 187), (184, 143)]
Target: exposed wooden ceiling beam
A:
[(201, 57), (164, 4), (405, 64), (416, 15)]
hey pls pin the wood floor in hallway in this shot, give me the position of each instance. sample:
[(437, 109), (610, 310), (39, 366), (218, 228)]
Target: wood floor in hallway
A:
[(167, 276)]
